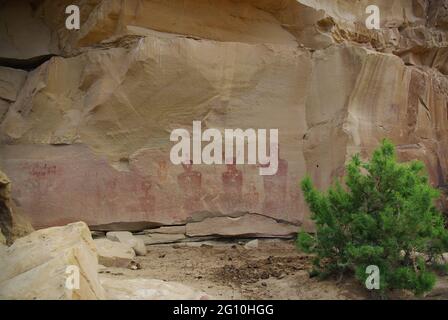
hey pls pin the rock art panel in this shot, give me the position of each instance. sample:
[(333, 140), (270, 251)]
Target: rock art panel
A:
[(85, 135)]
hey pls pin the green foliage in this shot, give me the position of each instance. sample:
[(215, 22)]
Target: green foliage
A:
[(383, 215)]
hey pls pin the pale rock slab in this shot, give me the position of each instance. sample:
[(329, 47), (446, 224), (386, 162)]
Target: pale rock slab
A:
[(149, 289), (248, 225), (34, 267), (127, 238), (48, 280), (26, 253), (253, 244), (113, 253)]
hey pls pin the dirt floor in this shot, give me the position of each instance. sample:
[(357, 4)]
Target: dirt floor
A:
[(227, 270)]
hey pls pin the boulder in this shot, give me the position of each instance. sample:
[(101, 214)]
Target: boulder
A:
[(114, 254), (160, 238), (35, 266), (248, 225), (253, 244), (149, 289), (127, 238)]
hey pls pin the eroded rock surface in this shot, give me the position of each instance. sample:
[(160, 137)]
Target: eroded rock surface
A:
[(85, 135)]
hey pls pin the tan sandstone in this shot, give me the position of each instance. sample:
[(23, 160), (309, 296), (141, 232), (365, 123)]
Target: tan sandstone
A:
[(139, 69), (113, 253), (34, 267)]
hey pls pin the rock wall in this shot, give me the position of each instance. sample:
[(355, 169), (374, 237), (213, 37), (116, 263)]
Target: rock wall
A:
[(86, 116)]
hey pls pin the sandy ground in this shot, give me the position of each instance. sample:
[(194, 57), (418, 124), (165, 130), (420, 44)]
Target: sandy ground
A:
[(227, 270)]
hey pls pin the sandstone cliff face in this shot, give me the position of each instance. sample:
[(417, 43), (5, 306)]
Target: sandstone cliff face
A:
[(85, 133)]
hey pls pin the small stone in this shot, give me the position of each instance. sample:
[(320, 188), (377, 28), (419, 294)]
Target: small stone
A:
[(114, 254), (251, 244), (127, 238), (35, 266), (159, 238), (134, 265)]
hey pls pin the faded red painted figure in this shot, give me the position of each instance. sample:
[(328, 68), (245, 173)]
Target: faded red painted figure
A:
[(275, 188), (162, 172), (109, 195), (190, 182), (147, 200), (252, 197), (232, 181), (41, 179), (40, 171)]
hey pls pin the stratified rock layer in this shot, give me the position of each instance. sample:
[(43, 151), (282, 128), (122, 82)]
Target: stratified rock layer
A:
[(85, 135)]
